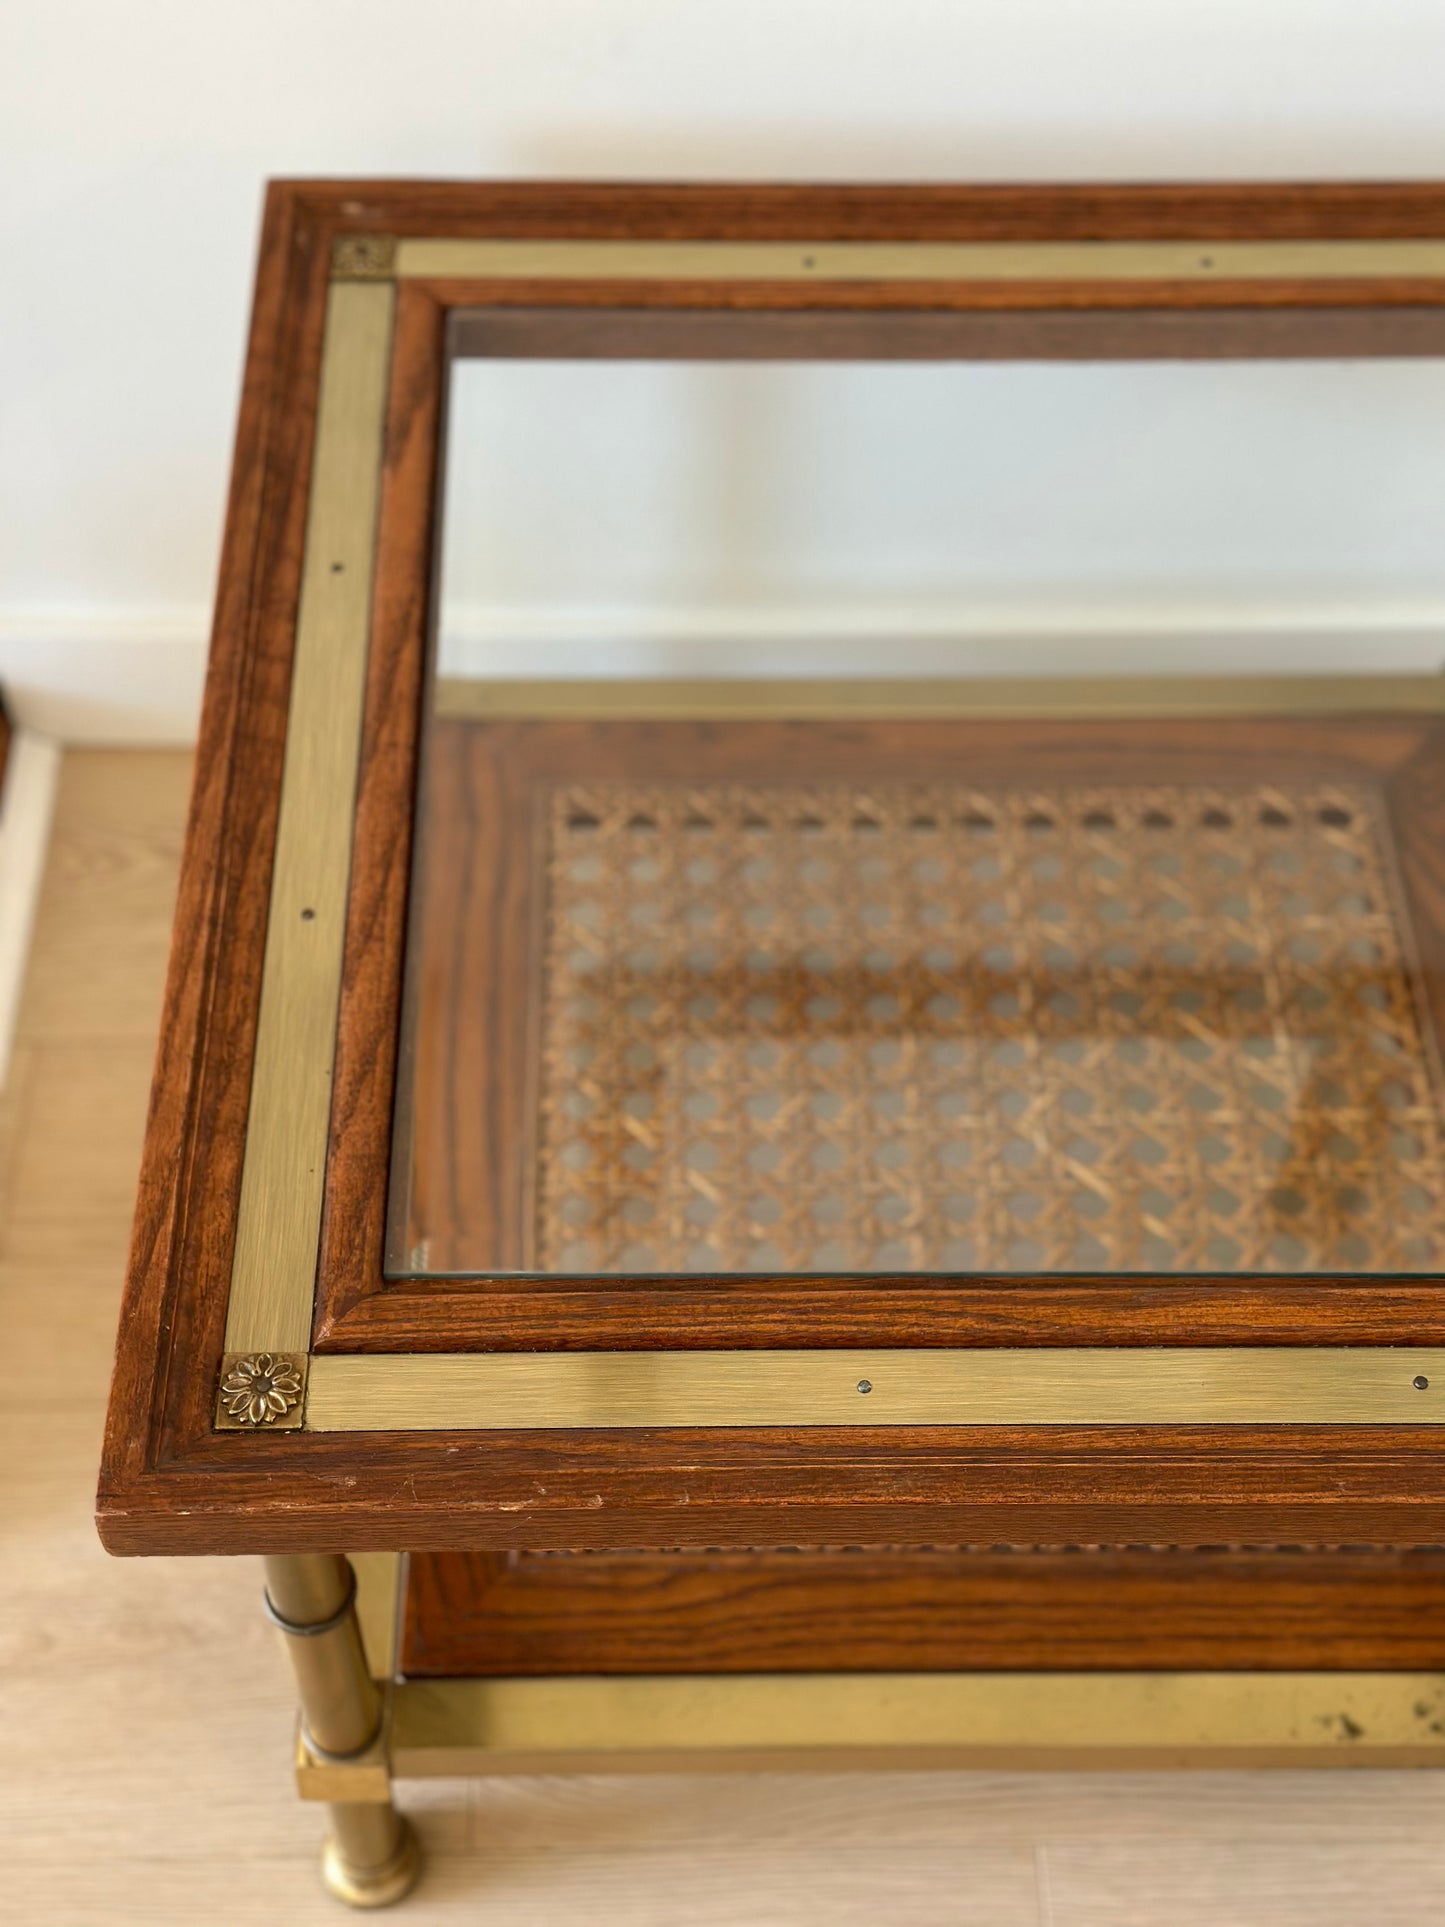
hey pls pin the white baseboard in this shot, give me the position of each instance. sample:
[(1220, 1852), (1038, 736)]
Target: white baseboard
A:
[(136, 677), (106, 676), (27, 804), (845, 640)]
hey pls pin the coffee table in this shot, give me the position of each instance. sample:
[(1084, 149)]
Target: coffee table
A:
[(790, 1221)]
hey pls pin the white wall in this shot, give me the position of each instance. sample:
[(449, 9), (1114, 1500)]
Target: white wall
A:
[(134, 139), (627, 518)]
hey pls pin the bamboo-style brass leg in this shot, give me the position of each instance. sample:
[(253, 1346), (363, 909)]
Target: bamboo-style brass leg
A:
[(371, 1858)]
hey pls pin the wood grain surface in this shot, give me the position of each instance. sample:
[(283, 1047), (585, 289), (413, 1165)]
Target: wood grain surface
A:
[(923, 1609)]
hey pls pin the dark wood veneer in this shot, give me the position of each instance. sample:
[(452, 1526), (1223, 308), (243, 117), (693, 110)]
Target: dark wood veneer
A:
[(923, 1609)]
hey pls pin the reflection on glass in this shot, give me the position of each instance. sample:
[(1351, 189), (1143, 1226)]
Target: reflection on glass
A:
[(631, 518), (799, 999)]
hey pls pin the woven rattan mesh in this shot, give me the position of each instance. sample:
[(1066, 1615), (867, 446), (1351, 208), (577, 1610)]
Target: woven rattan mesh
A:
[(818, 1028)]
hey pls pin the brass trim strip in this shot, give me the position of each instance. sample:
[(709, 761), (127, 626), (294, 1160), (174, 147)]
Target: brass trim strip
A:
[(753, 1721), (1007, 261), (274, 1271), (378, 1608), (1105, 697), (1222, 1385)]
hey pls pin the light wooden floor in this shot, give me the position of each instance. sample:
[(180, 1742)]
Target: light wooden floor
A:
[(144, 1716)]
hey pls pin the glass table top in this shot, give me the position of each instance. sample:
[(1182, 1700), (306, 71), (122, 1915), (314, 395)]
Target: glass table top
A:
[(763, 995)]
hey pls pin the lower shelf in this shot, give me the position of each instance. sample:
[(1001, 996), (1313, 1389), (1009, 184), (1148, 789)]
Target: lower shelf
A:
[(755, 1719), (912, 1609)]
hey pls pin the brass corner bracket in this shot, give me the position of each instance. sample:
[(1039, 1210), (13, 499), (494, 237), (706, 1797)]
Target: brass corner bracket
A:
[(262, 1391), (363, 257), (354, 1778)]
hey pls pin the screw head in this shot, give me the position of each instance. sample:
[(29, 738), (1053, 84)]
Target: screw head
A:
[(1421, 1384), (865, 1385)]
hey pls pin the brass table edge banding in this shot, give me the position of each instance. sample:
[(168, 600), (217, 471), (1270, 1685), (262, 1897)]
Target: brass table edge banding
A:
[(931, 698), (713, 1722), (930, 261), (1223, 1385), (273, 1273)]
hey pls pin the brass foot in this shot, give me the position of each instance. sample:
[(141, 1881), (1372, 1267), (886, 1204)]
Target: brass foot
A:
[(377, 1885), (372, 1857)]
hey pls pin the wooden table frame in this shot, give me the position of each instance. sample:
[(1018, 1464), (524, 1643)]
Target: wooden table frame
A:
[(275, 1391)]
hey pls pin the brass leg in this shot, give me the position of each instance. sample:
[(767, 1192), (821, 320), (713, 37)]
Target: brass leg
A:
[(371, 1857)]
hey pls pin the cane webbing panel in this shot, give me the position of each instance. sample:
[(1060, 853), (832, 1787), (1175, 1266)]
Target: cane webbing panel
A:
[(820, 1028)]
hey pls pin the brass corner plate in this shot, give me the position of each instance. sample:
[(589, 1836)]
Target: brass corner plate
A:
[(261, 1391), (363, 257)]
